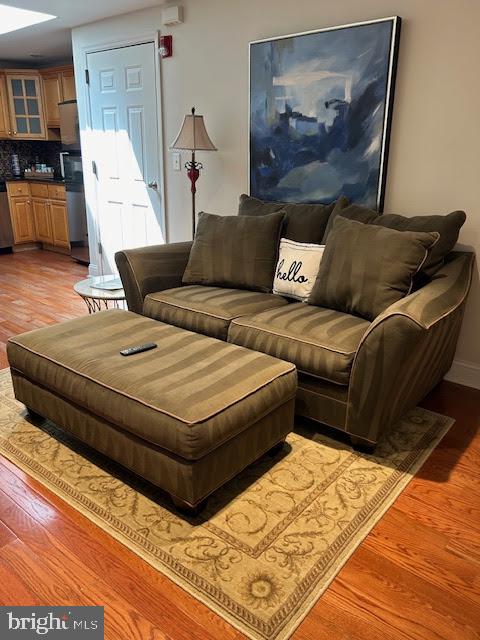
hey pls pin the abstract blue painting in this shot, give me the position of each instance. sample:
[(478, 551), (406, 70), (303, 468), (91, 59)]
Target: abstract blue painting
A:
[(320, 112)]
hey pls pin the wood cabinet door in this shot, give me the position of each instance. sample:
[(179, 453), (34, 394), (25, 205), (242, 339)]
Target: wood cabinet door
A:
[(26, 106), (52, 91), (58, 217), (22, 220), (68, 85), (5, 129), (41, 216)]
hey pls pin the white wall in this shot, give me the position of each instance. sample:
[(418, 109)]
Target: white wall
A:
[(433, 163)]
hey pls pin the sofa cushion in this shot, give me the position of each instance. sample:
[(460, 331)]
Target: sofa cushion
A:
[(303, 222), (320, 342), (344, 209), (234, 251), (207, 310), (365, 268)]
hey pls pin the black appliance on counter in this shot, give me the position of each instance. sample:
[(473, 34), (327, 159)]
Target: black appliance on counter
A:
[(72, 172)]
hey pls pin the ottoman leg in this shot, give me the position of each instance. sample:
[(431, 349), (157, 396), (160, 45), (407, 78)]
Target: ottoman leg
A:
[(185, 507), (33, 414), (361, 445), (277, 448)]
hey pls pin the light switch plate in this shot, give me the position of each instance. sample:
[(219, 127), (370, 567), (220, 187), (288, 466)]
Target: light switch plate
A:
[(176, 160)]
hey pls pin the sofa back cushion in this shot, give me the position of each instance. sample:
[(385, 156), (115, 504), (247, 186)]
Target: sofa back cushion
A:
[(303, 222), (448, 227), (344, 209), (235, 251), (365, 268)]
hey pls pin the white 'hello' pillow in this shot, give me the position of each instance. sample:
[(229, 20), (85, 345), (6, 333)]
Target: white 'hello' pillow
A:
[(297, 268)]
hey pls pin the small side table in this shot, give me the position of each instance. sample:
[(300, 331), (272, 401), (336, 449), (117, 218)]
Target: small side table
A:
[(100, 299)]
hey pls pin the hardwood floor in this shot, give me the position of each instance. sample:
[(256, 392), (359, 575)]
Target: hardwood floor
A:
[(36, 289), (416, 576)]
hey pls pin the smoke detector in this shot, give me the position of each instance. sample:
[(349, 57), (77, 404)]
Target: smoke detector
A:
[(172, 16)]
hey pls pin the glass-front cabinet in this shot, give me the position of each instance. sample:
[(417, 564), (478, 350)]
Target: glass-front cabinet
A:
[(26, 107)]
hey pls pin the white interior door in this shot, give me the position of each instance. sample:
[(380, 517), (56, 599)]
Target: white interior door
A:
[(125, 143)]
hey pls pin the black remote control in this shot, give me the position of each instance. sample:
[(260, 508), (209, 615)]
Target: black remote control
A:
[(143, 347)]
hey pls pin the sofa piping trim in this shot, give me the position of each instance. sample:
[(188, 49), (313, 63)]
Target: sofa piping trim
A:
[(157, 447)]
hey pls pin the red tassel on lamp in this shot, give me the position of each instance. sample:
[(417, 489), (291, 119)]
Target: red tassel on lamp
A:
[(194, 137)]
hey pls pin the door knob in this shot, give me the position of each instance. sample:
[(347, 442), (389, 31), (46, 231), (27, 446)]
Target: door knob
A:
[(153, 184)]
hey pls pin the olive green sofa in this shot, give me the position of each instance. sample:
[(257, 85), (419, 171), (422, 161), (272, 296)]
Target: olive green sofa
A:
[(355, 375)]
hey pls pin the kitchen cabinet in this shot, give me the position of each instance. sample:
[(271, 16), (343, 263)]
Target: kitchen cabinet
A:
[(25, 104), (58, 86), (56, 191), (68, 83), (52, 91), (22, 220), (38, 190), (29, 101), (18, 189), (5, 129), (59, 222), (39, 214)]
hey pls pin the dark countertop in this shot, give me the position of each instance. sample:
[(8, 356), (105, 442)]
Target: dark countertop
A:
[(11, 179)]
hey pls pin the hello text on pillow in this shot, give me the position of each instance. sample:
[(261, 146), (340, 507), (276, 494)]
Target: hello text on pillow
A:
[(297, 269)]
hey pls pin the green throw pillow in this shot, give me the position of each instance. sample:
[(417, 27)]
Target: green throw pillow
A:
[(303, 222), (235, 251), (365, 268)]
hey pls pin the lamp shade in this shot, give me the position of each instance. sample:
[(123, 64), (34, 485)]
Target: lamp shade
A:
[(193, 135)]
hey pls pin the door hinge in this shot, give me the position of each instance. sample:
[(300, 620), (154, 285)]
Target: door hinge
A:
[(94, 168), (87, 76), (100, 248)]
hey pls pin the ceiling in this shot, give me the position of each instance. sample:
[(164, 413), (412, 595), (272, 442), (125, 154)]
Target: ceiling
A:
[(51, 40)]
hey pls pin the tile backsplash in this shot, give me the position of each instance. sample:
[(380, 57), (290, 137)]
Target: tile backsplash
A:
[(27, 151)]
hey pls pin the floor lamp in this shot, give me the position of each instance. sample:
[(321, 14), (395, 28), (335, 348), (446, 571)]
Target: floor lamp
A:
[(194, 137)]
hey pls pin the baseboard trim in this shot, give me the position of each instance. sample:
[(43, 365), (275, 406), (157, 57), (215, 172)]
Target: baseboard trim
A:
[(466, 373)]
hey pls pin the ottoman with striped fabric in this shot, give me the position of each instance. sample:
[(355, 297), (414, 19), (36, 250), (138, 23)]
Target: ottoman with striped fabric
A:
[(186, 416)]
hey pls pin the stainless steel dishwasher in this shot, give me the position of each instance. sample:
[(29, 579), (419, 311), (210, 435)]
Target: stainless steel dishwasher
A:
[(6, 232)]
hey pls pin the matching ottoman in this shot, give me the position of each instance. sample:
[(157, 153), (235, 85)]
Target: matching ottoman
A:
[(186, 416)]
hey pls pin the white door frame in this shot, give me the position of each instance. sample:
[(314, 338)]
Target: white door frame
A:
[(87, 160)]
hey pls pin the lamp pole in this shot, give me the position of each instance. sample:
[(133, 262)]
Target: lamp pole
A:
[(193, 172)]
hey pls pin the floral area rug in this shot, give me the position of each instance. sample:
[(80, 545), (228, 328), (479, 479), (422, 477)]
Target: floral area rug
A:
[(268, 544)]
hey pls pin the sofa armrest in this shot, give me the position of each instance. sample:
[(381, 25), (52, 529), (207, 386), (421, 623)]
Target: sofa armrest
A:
[(151, 269), (407, 350)]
